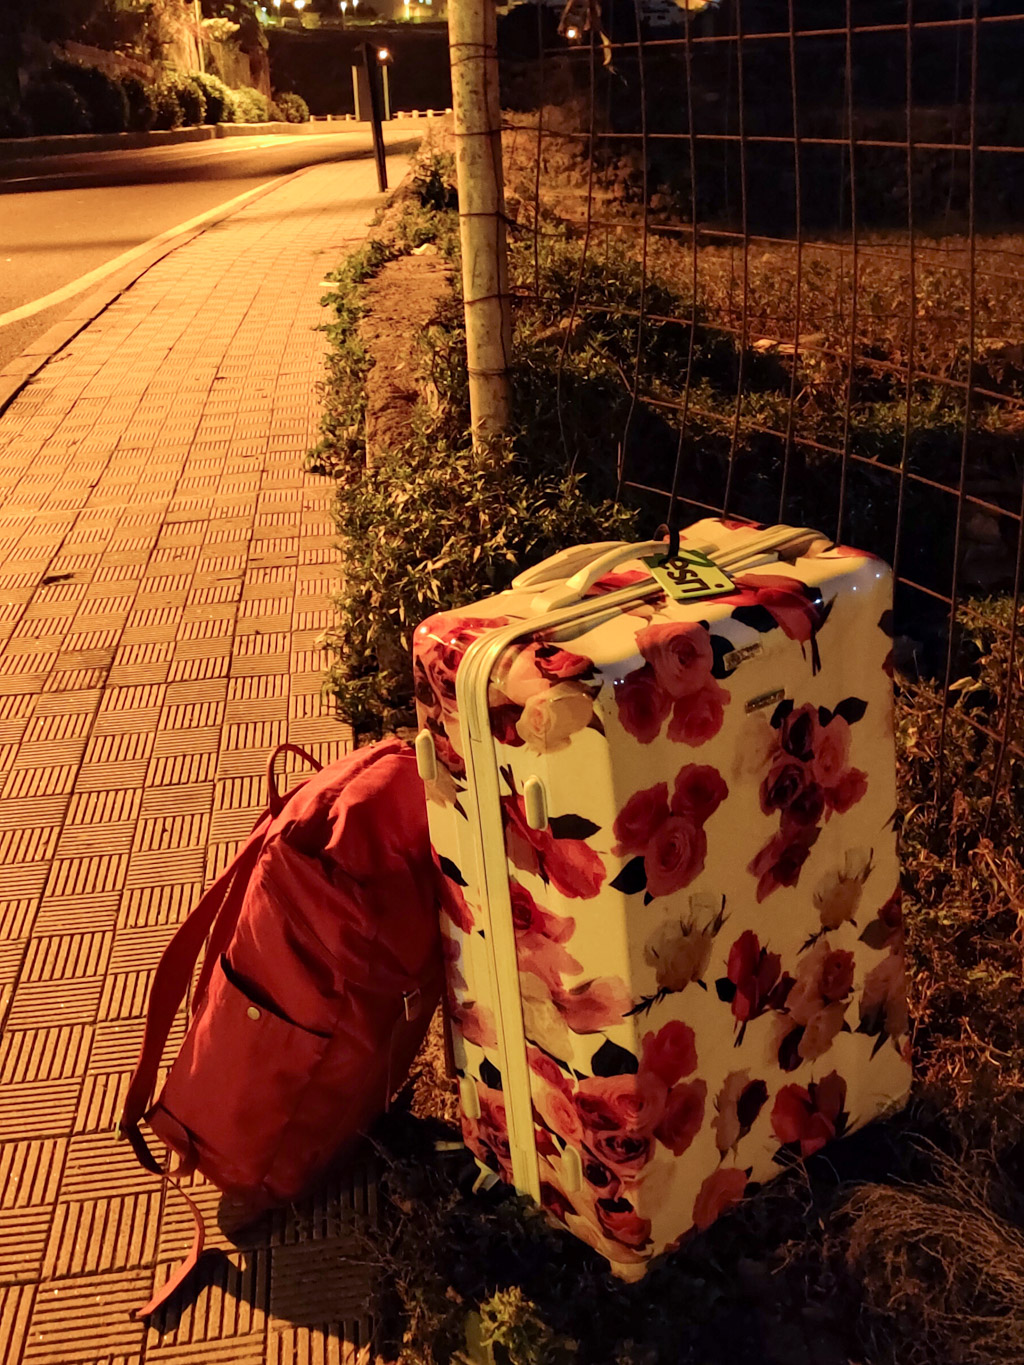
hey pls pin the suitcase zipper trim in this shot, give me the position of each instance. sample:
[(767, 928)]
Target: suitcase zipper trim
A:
[(471, 684)]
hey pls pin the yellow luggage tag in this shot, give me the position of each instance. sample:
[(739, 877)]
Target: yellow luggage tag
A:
[(688, 576)]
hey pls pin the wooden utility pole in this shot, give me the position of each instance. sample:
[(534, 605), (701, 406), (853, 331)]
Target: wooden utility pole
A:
[(472, 40), (197, 11)]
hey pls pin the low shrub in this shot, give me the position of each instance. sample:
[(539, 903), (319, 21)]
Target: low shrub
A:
[(461, 521), (220, 99), (13, 121), (141, 103), (53, 108), (102, 94), (294, 108), (169, 113), (191, 98), (251, 106)]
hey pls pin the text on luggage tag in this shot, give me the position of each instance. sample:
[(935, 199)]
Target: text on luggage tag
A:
[(688, 576)]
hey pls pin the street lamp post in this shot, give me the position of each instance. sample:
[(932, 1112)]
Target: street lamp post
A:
[(384, 59), (197, 11)]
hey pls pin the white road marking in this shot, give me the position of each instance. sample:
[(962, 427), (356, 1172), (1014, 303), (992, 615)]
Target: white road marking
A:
[(68, 291)]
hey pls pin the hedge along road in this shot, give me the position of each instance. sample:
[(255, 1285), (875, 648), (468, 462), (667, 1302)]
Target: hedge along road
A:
[(65, 227)]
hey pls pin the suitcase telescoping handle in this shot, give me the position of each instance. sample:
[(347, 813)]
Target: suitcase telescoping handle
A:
[(744, 552)]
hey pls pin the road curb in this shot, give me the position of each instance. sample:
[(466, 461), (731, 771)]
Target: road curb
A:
[(15, 149), (18, 373)]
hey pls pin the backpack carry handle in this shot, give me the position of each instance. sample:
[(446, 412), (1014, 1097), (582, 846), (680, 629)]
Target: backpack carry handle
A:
[(276, 801)]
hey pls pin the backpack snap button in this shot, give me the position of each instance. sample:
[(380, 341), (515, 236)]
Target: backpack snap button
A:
[(253, 1012)]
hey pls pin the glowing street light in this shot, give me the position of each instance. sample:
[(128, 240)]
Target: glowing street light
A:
[(300, 5), (572, 32)]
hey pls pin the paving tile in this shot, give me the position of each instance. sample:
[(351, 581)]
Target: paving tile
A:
[(63, 957), (46, 1054), (32, 843), (37, 1110), (16, 1303), (75, 914), (30, 1172), (87, 1319), (177, 769), (105, 776), (166, 569)]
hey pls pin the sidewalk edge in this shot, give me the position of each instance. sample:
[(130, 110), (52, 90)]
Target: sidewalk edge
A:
[(20, 371)]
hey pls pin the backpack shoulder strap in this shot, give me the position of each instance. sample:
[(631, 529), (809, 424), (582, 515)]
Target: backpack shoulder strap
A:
[(170, 985), (171, 982), (215, 916)]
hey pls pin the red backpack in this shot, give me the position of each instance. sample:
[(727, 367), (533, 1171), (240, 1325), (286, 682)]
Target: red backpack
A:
[(322, 970)]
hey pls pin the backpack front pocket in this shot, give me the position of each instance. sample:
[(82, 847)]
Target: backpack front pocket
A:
[(235, 1084)]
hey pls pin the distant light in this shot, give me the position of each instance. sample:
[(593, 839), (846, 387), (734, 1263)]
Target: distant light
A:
[(344, 5), (299, 4), (383, 54), (572, 33)]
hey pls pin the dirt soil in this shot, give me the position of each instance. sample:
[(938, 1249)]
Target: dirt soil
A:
[(400, 302)]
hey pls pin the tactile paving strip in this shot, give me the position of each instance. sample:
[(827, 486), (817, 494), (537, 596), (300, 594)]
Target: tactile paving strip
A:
[(161, 601)]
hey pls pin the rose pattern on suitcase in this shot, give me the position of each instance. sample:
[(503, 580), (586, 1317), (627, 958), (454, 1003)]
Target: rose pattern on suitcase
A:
[(729, 1041)]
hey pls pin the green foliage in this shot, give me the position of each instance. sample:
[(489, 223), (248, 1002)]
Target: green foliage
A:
[(53, 108), (219, 30), (518, 1335), (141, 103), (293, 108), (432, 527), (169, 113), (251, 106), (191, 98), (434, 523), (220, 100), (434, 181), (13, 121), (101, 94)]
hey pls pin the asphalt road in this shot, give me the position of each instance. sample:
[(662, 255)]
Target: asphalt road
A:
[(62, 218)]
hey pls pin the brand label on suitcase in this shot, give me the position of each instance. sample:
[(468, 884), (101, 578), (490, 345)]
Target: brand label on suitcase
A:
[(690, 575)]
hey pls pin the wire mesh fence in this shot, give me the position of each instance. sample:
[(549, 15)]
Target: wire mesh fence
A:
[(821, 202)]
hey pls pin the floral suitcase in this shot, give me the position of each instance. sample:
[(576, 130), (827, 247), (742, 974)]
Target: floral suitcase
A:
[(662, 799)]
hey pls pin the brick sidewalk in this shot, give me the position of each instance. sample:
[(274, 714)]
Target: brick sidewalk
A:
[(165, 571)]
